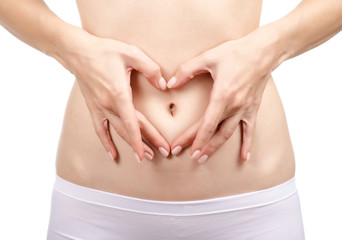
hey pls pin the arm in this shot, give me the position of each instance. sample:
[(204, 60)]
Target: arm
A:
[(32, 22), (309, 25), (236, 95), (91, 59)]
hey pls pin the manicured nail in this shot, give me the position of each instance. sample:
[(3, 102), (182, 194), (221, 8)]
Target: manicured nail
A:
[(176, 150), (163, 151), (248, 156), (203, 158), (110, 155), (171, 82), (195, 154), (148, 156), (137, 157), (162, 83)]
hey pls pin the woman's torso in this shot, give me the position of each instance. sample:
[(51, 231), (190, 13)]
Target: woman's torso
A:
[(171, 32)]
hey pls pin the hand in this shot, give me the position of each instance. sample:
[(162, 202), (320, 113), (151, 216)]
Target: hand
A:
[(240, 70), (102, 68)]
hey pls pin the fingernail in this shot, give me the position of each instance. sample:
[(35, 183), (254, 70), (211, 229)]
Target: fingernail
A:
[(162, 83), (148, 156), (195, 154), (176, 150), (110, 155), (137, 157), (171, 82), (163, 151), (203, 158), (248, 156)]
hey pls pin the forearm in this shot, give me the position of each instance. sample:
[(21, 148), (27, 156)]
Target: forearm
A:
[(310, 24), (32, 22)]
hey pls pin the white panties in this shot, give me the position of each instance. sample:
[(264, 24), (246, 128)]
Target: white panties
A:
[(79, 212)]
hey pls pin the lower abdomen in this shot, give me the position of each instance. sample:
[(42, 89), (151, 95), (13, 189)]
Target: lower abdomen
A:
[(82, 159)]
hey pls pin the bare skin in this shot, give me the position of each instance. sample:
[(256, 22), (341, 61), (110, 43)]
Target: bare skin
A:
[(171, 33), (81, 158)]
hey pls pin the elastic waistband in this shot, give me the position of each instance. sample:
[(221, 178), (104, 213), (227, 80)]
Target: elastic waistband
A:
[(177, 208)]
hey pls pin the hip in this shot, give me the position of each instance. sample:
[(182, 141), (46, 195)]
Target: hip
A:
[(103, 215)]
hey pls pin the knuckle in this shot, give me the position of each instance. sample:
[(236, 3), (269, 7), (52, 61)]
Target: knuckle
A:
[(105, 101), (108, 98), (140, 121), (209, 127), (155, 69), (231, 91), (182, 69), (139, 115), (186, 142), (224, 95), (211, 148), (134, 50), (120, 131), (220, 95), (207, 57), (238, 102), (185, 139), (129, 123), (119, 95), (256, 103), (249, 102), (227, 132), (98, 131)]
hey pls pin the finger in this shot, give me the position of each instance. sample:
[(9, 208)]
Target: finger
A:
[(189, 69), (130, 123), (185, 139), (113, 153), (145, 65), (153, 135), (101, 129), (118, 126), (212, 117), (248, 126), (226, 130)]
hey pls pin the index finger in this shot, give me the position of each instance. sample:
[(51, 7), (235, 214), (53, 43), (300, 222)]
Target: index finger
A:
[(145, 65), (212, 118), (130, 122), (186, 138)]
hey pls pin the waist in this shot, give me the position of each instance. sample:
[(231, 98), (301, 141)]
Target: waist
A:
[(82, 159)]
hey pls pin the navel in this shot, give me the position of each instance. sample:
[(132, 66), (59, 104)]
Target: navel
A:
[(172, 108)]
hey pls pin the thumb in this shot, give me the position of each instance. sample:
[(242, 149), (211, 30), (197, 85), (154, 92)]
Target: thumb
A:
[(188, 70)]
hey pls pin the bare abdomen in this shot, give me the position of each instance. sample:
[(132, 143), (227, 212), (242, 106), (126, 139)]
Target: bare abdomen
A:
[(82, 159), (170, 38)]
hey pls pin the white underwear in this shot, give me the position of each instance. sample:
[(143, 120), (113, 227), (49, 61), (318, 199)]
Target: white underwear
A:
[(79, 212)]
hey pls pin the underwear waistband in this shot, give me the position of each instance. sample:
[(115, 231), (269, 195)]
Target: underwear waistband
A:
[(177, 208)]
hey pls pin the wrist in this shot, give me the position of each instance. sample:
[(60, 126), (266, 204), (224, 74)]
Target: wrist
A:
[(69, 40), (268, 46)]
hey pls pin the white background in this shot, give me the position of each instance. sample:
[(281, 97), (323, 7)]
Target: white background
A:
[(33, 94)]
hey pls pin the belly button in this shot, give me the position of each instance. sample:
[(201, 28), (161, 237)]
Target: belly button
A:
[(172, 108)]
